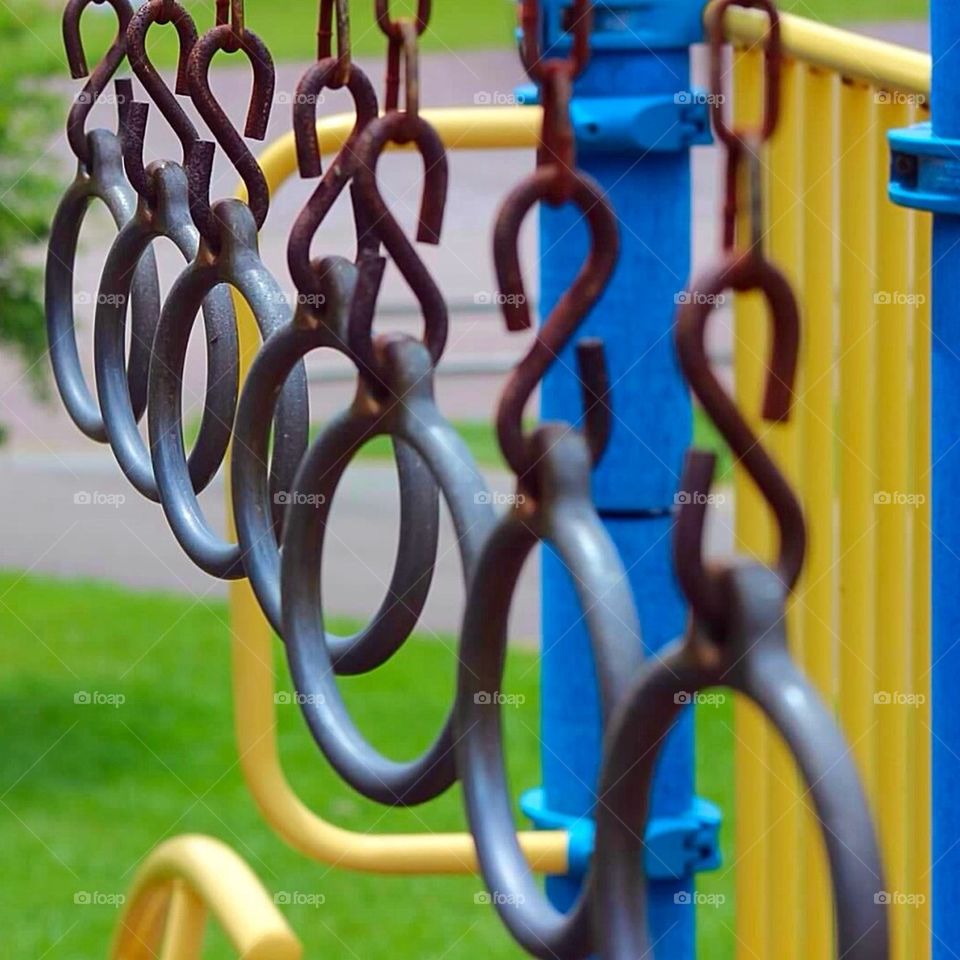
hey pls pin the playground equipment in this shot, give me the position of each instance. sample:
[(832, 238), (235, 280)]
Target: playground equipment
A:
[(596, 534)]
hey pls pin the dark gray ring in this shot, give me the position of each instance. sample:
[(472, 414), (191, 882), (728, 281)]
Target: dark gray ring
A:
[(409, 586), (755, 661), (414, 419), (237, 263), (167, 216), (566, 518), (106, 182)]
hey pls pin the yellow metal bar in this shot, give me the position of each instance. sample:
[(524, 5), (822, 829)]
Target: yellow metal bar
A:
[(222, 882), (858, 195), (919, 778), (853, 56), (895, 503), (816, 607), (784, 173), (753, 536), (186, 924), (253, 680)]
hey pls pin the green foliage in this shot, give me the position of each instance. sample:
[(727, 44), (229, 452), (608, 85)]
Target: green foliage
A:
[(28, 113)]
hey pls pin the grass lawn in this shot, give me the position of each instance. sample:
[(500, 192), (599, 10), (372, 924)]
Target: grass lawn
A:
[(289, 27), (87, 790)]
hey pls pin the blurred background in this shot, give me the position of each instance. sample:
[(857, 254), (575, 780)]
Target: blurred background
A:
[(115, 685)]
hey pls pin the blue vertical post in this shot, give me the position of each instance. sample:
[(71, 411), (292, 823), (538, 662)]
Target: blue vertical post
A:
[(925, 174), (636, 120)]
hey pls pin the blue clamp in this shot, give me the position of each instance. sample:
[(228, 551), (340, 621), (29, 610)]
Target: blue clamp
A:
[(629, 25), (653, 124), (924, 170), (676, 847)]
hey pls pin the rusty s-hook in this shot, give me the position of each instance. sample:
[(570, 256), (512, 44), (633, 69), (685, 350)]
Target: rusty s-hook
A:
[(135, 115), (740, 270), (228, 37), (102, 73)]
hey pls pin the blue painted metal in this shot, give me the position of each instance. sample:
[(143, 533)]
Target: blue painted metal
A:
[(925, 170), (675, 847), (940, 147), (635, 484)]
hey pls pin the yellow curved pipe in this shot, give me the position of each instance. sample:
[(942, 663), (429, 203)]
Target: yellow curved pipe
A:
[(855, 57), (483, 128), (174, 888)]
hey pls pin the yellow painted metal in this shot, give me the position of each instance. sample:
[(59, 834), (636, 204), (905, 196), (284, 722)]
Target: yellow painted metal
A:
[(873, 62), (919, 777), (896, 501), (816, 603), (786, 913), (253, 678), (180, 880), (857, 419), (753, 536)]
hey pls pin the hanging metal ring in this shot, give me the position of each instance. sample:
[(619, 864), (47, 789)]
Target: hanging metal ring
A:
[(564, 517), (412, 417), (238, 264), (168, 215), (103, 180), (753, 659)]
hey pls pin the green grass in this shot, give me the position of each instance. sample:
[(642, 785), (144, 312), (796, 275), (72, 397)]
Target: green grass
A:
[(845, 11), (87, 790)]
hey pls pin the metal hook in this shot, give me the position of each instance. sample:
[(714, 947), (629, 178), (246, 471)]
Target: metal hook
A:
[(579, 23), (200, 161), (135, 119), (325, 38), (392, 28), (380, 224), (564, 319), (740, 273), (102, 73)]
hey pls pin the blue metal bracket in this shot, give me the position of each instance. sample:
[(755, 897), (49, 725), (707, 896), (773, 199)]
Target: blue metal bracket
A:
[(676, 847), (654, 124), (924, 170)]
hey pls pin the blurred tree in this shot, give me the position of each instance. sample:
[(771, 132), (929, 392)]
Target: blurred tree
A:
[(28, 116)]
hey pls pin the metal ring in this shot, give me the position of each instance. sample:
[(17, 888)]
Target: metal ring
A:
[(169, 217), (237, 263), (414, 419), (565, 518), (754, 660), (419, 515), (107, 183)]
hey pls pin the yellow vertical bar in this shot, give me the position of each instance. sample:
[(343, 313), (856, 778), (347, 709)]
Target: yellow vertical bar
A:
[(816, 609), (784, 173), (920, 773), (186, 924), (857, 620), (753, 536), (895, 501)]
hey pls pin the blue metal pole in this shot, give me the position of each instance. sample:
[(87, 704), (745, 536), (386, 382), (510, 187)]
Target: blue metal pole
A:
[(635, 119), (926, 175)]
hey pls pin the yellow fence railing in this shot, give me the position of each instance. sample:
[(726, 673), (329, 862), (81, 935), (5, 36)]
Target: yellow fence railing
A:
[(858, 449)]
